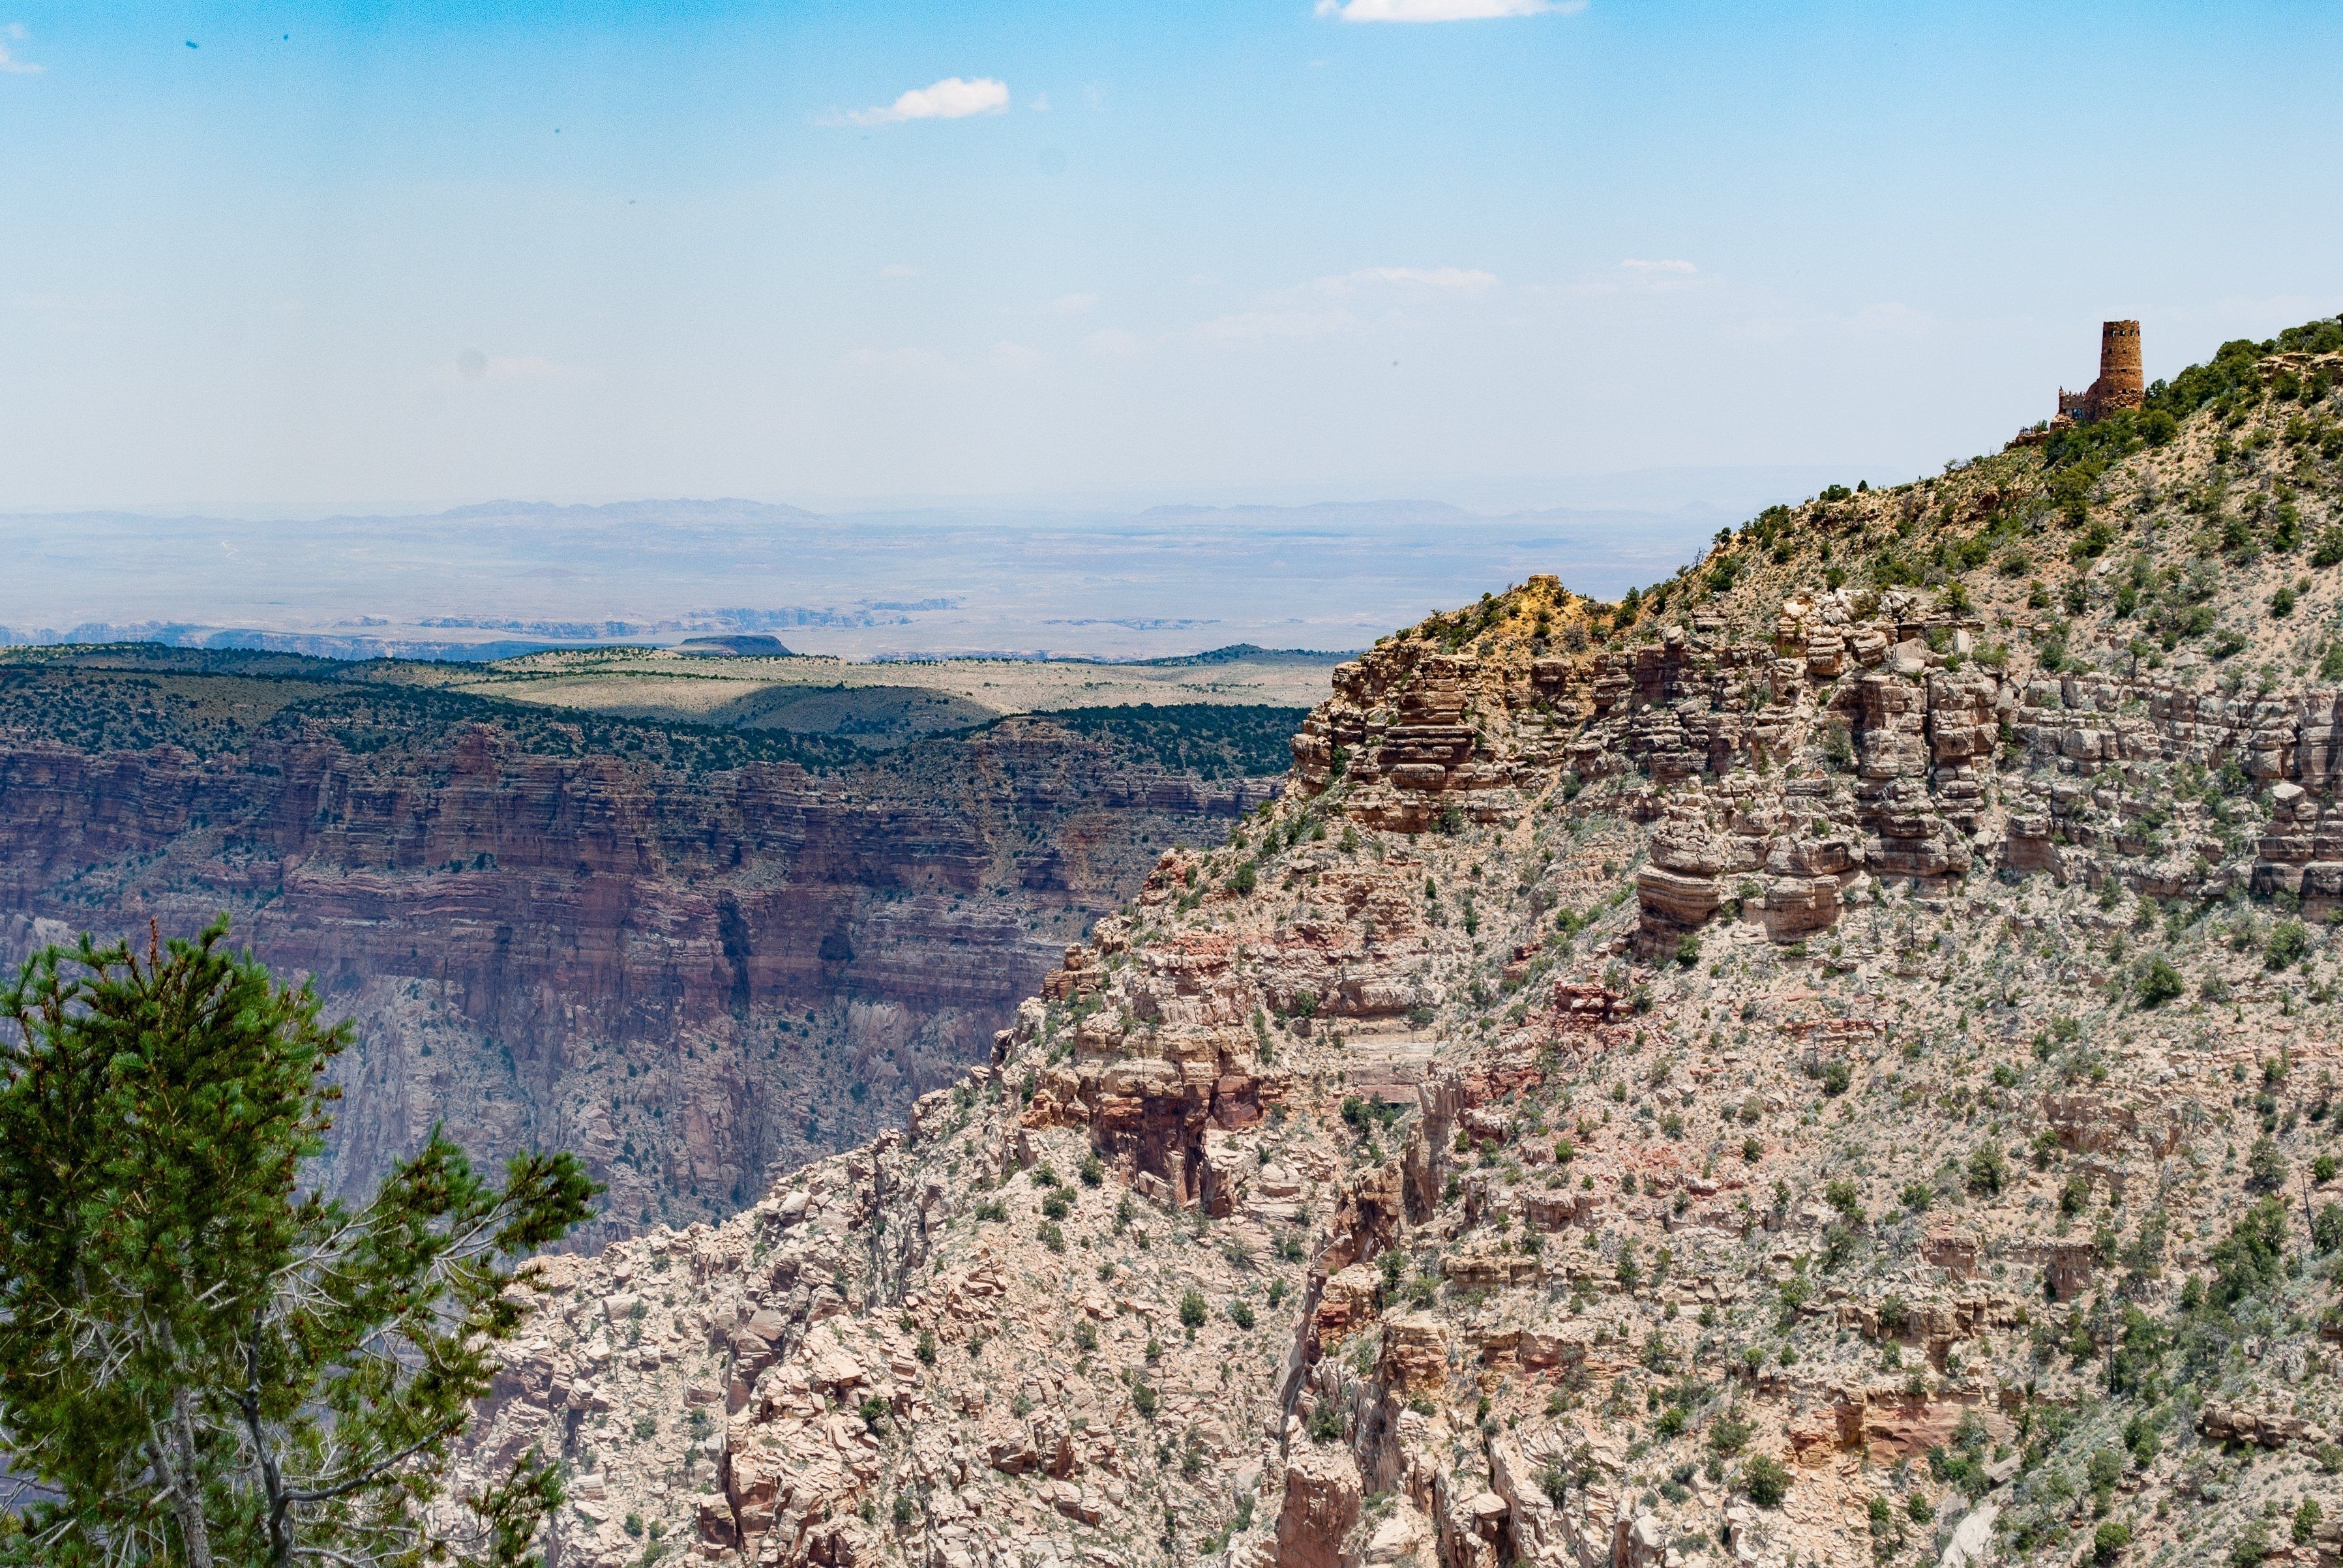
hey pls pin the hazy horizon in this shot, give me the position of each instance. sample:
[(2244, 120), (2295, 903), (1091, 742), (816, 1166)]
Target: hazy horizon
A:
[(1719, 489), (1171, 579)]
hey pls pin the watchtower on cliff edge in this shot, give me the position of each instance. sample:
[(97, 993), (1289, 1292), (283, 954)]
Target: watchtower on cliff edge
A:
[(2121, 384)]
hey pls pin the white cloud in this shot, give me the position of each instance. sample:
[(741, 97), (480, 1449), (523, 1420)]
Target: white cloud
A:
[(953, 98), (1444, 10), (15, 33), (1682, 269), (897, 269), (1040, 103), (1073, 304), (1448, 279)]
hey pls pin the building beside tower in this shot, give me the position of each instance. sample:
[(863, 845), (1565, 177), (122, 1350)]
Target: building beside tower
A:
[(2121, 384)]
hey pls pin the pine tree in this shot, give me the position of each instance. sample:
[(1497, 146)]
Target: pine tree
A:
[(201, 1362)]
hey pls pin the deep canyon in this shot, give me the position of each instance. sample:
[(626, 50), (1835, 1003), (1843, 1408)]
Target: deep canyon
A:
[(697, 960)]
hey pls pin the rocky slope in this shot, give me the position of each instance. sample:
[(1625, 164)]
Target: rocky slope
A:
[(696, 965), (1830, 1060)]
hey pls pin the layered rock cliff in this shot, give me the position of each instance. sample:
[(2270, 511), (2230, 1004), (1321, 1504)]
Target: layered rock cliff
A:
[(697, 978), (1808, 1070)]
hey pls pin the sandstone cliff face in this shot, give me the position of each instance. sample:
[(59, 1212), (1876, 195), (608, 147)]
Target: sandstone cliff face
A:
[(1696, 1100), (697, 981), (1782, 779)]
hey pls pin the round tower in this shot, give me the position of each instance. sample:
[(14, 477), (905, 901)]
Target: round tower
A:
[(2121, 384), (2120, 356)]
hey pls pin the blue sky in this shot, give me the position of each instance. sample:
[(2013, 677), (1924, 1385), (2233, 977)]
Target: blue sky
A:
[(395, 255)]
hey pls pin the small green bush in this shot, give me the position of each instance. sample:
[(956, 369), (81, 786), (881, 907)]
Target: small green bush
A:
[(1767, 1480), (2252, 1257), (1987, 1172), (2158, 983)]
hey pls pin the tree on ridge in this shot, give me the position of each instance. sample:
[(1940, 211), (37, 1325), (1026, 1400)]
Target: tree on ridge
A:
[(202, 1363)]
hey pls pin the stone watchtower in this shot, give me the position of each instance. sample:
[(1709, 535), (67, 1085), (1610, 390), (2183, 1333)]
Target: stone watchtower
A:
[(2121, 384)]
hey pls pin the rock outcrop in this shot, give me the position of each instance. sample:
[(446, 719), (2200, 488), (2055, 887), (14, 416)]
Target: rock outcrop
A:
[(1783, 784)]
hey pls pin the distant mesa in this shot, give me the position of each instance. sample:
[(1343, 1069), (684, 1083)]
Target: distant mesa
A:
[(1236, 652), (743, 645)]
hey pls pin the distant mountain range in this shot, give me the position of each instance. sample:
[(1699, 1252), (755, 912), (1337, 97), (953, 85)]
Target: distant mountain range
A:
[(502, 577)]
